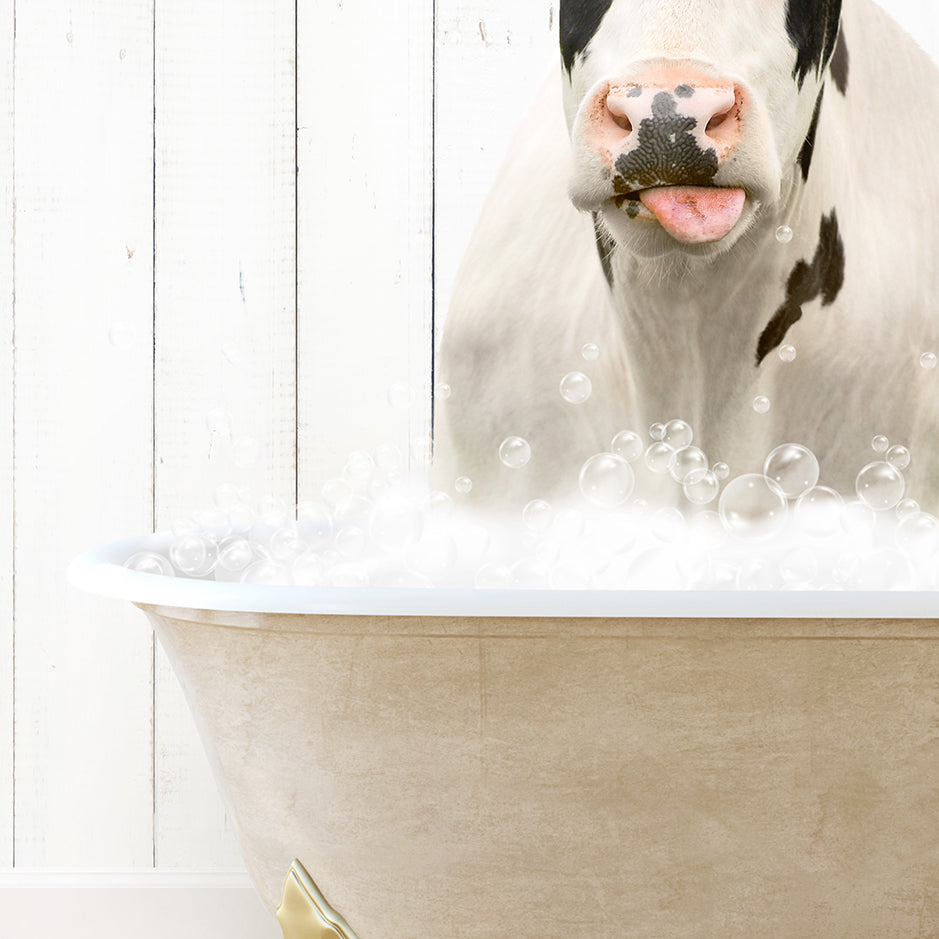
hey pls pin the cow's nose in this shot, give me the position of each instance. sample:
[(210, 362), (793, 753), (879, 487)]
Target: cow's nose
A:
[(661, 117)]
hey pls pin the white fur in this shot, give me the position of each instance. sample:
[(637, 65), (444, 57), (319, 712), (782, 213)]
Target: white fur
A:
[(678, 335)]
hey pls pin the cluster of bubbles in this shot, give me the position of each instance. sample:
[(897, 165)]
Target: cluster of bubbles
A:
[(375, 526)]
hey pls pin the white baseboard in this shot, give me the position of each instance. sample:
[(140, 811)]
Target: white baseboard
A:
[(142, 904)]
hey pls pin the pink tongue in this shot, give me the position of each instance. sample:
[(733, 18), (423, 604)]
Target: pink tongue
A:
[(695, 214)]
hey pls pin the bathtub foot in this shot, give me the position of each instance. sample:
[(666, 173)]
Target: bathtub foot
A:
[(304, 913)]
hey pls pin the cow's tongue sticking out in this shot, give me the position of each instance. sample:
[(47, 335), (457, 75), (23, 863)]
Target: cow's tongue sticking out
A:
[(694, 214)]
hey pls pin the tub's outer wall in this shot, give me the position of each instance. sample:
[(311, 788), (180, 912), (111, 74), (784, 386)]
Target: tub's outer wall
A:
[(452, 778)]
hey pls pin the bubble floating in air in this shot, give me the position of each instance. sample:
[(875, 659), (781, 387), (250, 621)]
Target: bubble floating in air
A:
[(628, 445), (880, 443), (784, 234), (606, 480), (659, 457), (787, 353), (687, 460), (150, 562), (463, 484), (752, 508), (880, 485), (701, 486), (791, 469), (898, 456), (575, 387), (761, 404), (590, 351), (514, 452), (928, 360)]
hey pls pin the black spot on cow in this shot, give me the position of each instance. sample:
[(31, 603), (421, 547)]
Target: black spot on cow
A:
[(839, 63), (667, 152), (578, 22), (823, 278), (634, 92), (804, 159), (684, 91), (605, 246), (813, 30)]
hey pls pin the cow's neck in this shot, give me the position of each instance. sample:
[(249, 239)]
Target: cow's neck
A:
[(704, 319)]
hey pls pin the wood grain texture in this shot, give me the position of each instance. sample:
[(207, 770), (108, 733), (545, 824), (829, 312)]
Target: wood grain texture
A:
[(83, 447), (6, 433), (363, 73), (225, 323)]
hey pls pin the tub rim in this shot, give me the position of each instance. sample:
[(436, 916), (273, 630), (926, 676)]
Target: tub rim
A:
[(100, 571)]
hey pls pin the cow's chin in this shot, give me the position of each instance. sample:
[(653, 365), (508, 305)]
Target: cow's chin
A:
[(643, 236)]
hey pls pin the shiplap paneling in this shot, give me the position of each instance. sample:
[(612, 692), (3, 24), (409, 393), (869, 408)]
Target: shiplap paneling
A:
[(6, 434), (82, 474), (491, 59), (225, 315), (364, 185)]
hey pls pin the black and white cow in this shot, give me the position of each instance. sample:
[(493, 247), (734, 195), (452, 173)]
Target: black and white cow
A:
[(696, 129)]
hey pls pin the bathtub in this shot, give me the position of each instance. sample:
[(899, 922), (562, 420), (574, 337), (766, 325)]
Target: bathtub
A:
[(444, 764)]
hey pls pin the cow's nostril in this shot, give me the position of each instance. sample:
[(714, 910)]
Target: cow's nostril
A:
[(716, 122), (622, 121)]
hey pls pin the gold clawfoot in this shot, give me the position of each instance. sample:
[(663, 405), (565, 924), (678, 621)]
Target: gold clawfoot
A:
[(304, 913)]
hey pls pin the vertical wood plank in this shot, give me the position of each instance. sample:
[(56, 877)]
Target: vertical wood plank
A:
[(6, 434), (491, 59), (364, 138), (83, 448), (225, 322)]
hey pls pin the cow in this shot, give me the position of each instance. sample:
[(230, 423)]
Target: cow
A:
[(735, 207)]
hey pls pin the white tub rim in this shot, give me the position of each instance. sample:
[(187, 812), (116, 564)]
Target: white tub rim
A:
[(100, 571)]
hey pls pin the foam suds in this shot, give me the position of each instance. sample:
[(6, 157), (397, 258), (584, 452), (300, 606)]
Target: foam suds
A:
[(373, 526)]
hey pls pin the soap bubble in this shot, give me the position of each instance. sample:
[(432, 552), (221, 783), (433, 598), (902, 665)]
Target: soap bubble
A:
[(286, 543), (358, 469), (656, 431), (678, 434), (798, 567), (787, 353), (668, 524), (314, 523), (918, 535), (628, 445), (308, 570), (442, 391), (761, 404), (336, 491), (751, 507), (858, 518), (266, 573), (150, 562), (235, 554), (880, 485), (720, 470), (784, 234), (463, 484), (219, 421), (192, 554), (928, 360), (439, 505), (818, 512), (898, 456), (388, 458), (659, 457), (537, 515), (791, 469), (701, 486), (880, 443), (906, 507), (590, 351), (350, 541), (395, 524), (606, 480), (514, 452), (687, 460), (575, 387)]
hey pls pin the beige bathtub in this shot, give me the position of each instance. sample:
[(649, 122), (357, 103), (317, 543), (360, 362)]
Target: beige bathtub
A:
[(545, 765)]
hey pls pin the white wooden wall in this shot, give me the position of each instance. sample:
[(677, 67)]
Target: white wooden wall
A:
[(188, 196)]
